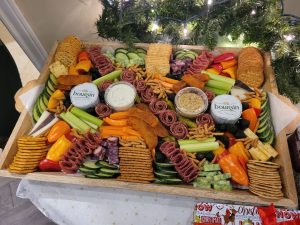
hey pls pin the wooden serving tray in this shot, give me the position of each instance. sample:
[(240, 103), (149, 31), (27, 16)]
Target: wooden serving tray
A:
[(24, 124)]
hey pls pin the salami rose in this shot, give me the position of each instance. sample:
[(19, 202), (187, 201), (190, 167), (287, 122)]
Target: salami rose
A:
[(205, 118), (148, 95), (140, 85), (103, 110), (129, 76), (168, 117), (179, 130), (158, 106)]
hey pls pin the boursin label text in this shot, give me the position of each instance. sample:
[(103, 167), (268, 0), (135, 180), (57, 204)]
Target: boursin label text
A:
[(226, 106), (83, 93)]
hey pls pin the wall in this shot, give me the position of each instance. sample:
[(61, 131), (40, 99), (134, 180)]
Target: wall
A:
[(54, 19)]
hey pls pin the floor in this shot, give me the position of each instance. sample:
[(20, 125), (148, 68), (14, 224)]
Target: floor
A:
[(14, 210)]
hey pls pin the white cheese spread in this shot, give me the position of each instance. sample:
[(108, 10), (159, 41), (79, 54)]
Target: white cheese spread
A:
[(85, 95), (120, 96), (226, 109)]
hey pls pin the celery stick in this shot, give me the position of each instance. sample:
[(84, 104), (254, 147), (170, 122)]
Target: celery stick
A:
[(79, 123), (90, 124), (186, 142), (86, 116), (66, 119), (215, 90), (111, 76), (200, 147), (219, 85), (213, 76), (187, 121)]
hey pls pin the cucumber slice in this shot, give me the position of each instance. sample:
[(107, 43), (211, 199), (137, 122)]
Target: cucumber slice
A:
[(46, 94), (271, 140), (35, 114), (109, 171), (45, 99), (141, 55), (39, 106), (264, 136), (168, 172), (86, 170), (141, 50), (91, 176), (103, 175), (179, 52), (106, 165), (164, 165), (265, 104), (162, 175), (122, 50), (168, 181), (50, 86), (42, 104), (180, 56), (91, 165), (122, 56), (189, 55), (132, 55), (263, 116), (53, 79), (264, 127), (49, 91)]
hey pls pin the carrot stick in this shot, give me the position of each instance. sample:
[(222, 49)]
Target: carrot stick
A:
[(169, 80), (119, 115), (131, 131), (115, 122), (112, 127), (113, 132)]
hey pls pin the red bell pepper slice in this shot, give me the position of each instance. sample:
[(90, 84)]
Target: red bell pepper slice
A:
[(224, 57), (49, 166), (218, 67), (257, 111)]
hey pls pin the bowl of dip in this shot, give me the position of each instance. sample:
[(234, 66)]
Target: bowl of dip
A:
[(190, 102), (120, 96)]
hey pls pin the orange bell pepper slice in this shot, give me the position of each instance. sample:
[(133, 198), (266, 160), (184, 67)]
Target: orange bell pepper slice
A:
[(249, 114), (228, 64), (84, 55)]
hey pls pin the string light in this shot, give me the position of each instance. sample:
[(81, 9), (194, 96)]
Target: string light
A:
[(229, 37), (289, 37), (209, 2), (154, 26), (185, 30), (253, 12)]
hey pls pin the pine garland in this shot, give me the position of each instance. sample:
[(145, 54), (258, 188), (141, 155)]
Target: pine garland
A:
[(260, 22)]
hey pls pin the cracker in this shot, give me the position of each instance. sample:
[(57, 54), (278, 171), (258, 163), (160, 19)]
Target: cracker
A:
[(133, 180)]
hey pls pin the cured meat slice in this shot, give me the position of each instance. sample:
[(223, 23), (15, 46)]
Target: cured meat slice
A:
[(168, 117), (205, 118), (140, 85), (179, 130), (103, 110), (148, 95), (158, 106), (200, 63), (210, 96), (100, 61), (128, 76)]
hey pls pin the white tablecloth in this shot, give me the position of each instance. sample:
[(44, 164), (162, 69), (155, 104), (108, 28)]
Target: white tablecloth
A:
[(81, 205)]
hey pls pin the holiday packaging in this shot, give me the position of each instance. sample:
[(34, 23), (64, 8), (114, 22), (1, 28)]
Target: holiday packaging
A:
[(225, 214)]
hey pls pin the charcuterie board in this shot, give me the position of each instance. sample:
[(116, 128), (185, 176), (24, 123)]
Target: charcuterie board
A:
[(25, 125)]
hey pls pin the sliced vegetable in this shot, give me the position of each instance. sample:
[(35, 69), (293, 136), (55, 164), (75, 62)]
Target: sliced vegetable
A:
[(201, 147), (119, 115), (229, 63), (73, 70), (86, 116), (55, 98), (183, 142), (111, 76), (224, 57), (215, 90), (58, 130), (83, 55), (219, 85), (58, 149), (77, 122), (220, 78), (249, 114), (84, 65), (49, 166), (112, 122), (232, 71)]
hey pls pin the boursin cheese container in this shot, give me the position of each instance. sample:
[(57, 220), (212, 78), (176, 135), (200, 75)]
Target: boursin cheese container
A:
[(85, 95), (226, 109)]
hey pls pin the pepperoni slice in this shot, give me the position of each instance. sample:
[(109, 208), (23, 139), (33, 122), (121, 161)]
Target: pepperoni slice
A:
[(104, 85), (205, 118), (128, 76), (140, 85), (148, 95)]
